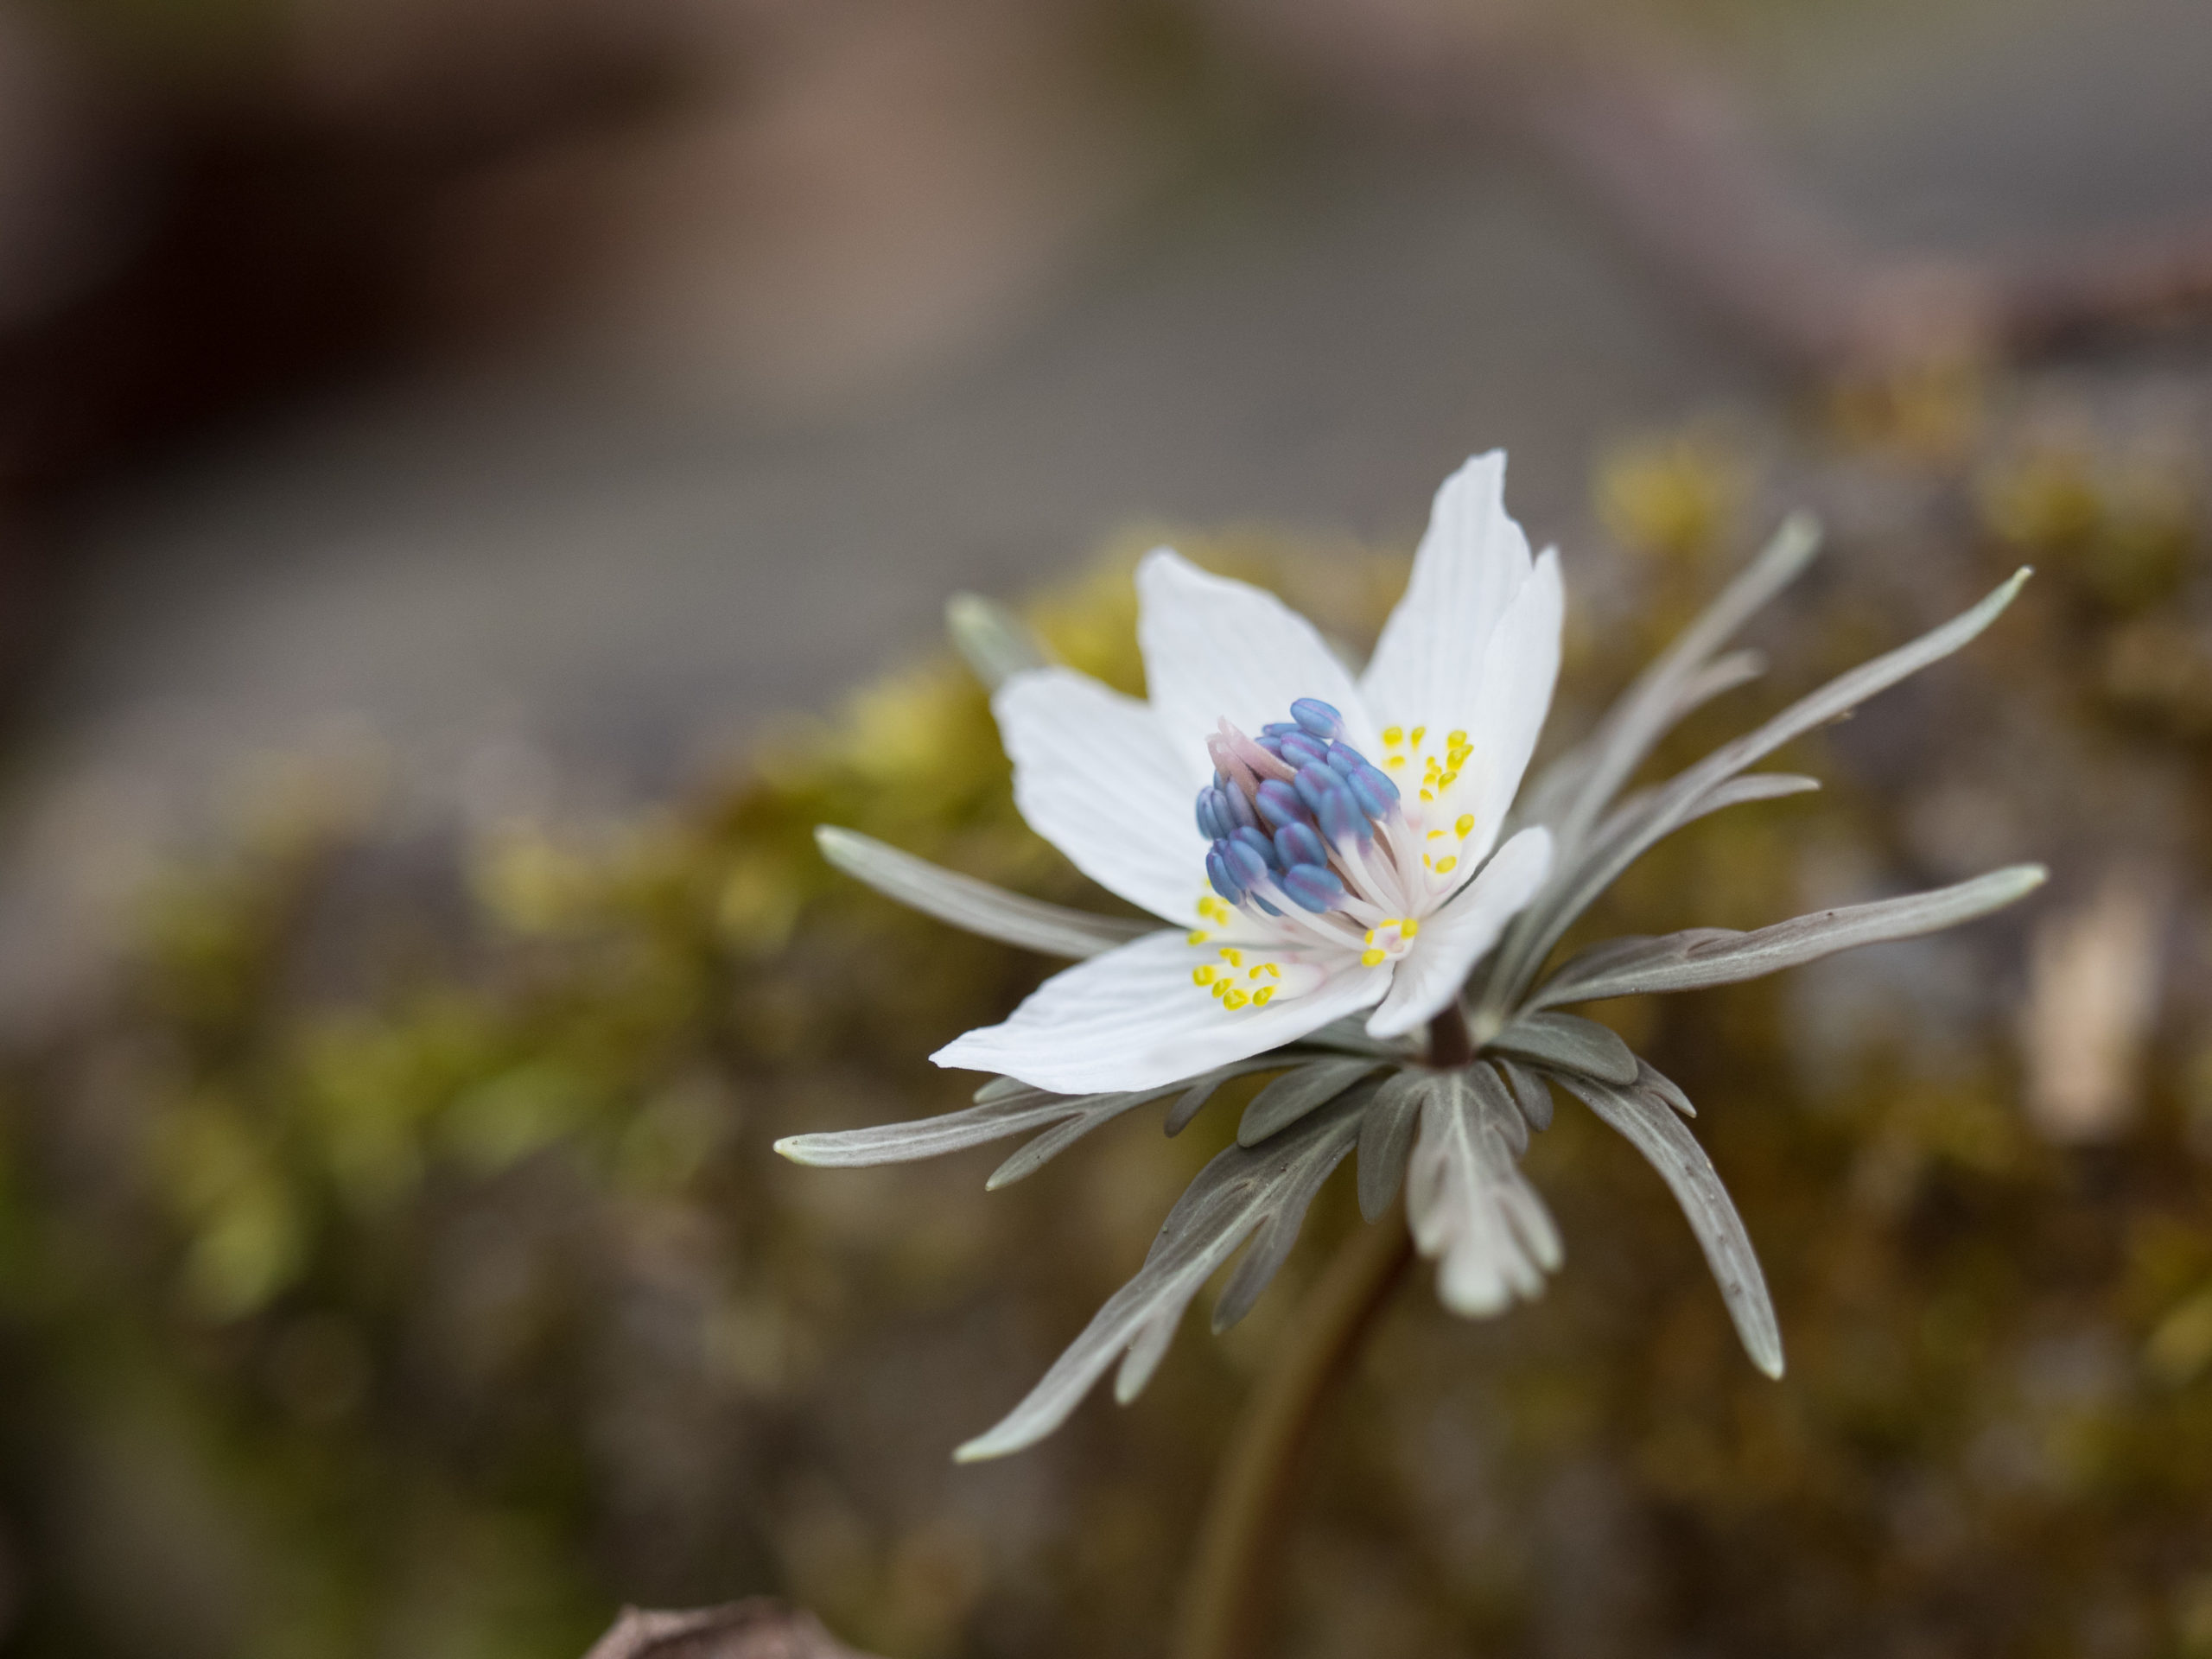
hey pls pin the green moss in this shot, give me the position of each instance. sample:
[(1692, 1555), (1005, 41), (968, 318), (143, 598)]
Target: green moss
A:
[(440, 1241)]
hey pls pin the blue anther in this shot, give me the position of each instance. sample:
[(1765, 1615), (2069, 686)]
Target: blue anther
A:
[(1258, 841), (1265, 905), (1280, 728), (1344, 760), (1312, 887), (1245, 862), (1272, 744), (1296, 844), (1380, 779), (1375, 794), (1342, 820), (1209, 826), (1318, 717), (1280, 803), (1235, 808), (1300, 750), (1314, 785), (1218, 875)]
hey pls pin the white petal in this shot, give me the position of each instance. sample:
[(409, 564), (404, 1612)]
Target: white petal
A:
[(1093, 776), (1452, 941), (1474, 559), (1132, 1019), (1216, 649), (1520, 667)]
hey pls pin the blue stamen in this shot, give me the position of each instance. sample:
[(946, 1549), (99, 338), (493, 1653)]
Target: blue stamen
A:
[(1259, 842), (1245, 862), (1333, 797), (1296, 844), (1341, 820), (1279, 803), (1375, 794), (1312, 887), (1320, 718), (1381, 780), (1239, 813), (1314, 785), (1217, 873)]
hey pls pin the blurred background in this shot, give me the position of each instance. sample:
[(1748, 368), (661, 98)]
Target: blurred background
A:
[(479, 481)]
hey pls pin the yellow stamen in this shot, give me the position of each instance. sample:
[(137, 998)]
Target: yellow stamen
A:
[(1202, 974), (1456, 740), (1409, 929), (1370, 958), (1427, 861), (1273, 972), (1371, 936), (1397, 734), (1219, 985), (1427, 796), (1235, 1000), (1394, 759), (1199, 936), (1448, 779), (1445, 866), (1419, 732), (1234, 958), (1466, 826), (1433, 834), (1260, 997)]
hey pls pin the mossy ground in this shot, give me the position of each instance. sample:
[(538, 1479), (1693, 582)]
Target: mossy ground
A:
[(395, 1264)]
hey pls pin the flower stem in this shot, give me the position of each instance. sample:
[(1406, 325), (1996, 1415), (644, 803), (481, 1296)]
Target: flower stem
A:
[(1450, 1042), (1224, 1615)]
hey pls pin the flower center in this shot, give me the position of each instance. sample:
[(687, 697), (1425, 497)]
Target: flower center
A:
[(1315, 849), (1291, 813)]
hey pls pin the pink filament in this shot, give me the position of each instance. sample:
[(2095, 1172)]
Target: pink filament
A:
[(1244, 762)]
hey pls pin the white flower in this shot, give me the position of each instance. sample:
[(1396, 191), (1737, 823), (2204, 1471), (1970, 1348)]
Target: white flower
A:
[(1340, 854), (1361, 897)]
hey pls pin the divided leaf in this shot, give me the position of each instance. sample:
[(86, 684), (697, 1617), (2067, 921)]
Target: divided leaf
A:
[(1200, 1090), (1569, 1041), (1582, 874), (1386, 1138), (995, 643), (1530, 1092), (1245, 1190), (1678, 681), (1471, 1208), (1292, 1095), (977, 907), (1644, 1115), (1711, 955), (1003, 1108)]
